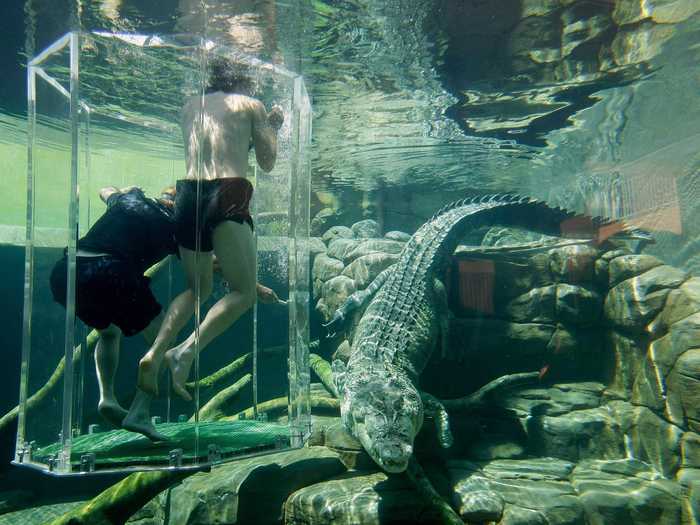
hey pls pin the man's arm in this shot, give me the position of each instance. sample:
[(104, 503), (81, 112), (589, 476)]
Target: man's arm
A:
[(265, 127)]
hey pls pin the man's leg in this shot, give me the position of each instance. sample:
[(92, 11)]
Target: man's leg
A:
[(179, 312), (234, 247), (106, 363), (139, 417)]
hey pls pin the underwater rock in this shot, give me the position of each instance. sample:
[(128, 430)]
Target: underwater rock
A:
[(684, 389), (573, 264), (577, 305), (639, 43), (366, 229), (634, 302), (578, 27), (397, 236), (317, 288), (627, 266), (535, 490), (480, 506), (364, 269), (337, 232), (505, 236), (316, 246), (250, 490), (556, 400), (626, 492), (370, 499), (648, 437), (680, 304), (660, 11), (499, 347), (369, 246), (690, 450), (658, 384), (325, 218), (581, 434), (601, 271), (627, 355), (340, 247), (535, 306), (325, 267), (490, 449)]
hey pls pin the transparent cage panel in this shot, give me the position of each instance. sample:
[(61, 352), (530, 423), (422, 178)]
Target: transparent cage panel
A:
[(300, 278), (243, 390), (47, 323), (132, 89), (133, 145)]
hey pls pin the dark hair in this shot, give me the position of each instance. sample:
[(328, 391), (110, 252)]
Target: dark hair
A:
[(227, 76)]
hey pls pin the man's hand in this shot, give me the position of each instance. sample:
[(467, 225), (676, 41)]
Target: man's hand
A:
[(275, 118), (267, 295)]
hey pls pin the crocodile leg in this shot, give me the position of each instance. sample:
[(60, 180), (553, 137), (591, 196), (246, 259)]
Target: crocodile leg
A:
[(434, 408), (442, 311), (356, 301)]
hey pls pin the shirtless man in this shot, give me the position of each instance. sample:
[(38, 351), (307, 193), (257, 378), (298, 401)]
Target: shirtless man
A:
[(218, 129)]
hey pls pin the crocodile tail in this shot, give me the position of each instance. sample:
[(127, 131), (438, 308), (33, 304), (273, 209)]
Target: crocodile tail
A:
[(521, 212)]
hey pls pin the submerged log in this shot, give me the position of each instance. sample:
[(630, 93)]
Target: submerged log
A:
[(212, 410), (119, 502), (323, 370)]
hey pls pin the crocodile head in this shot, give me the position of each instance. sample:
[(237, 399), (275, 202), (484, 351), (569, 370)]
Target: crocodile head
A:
[(385, 414)]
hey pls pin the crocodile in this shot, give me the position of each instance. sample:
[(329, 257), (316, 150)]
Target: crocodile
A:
[(406, 314)]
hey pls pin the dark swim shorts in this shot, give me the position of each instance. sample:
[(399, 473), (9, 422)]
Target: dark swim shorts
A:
[(225, 199), (109, 290)]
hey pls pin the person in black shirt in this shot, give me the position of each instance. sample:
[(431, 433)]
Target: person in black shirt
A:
[(114, 296), (112, 293)]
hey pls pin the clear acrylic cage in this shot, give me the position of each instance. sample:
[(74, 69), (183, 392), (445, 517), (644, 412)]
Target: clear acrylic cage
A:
[(104, 110)]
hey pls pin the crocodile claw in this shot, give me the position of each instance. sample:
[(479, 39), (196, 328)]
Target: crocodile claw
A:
[(335, 325)]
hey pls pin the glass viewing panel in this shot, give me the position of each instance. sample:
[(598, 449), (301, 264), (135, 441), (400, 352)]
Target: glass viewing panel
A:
[(105, 133)]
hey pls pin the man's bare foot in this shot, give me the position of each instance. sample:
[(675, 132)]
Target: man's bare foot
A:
[(179, 361), (149, 366), (142, 426), (112, 412)]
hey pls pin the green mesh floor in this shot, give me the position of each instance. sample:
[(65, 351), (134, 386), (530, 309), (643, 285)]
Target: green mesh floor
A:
[(121, 448)]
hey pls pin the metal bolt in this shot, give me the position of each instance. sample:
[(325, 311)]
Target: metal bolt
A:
[(156, 420), (94, 428), (182, 418), (87, 462), (175, 457)]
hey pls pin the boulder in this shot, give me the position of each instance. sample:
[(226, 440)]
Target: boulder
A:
[(481, 506), (634, 302), (680, 303), (577, 305), (627, 266), (660, 11), (627, 355), (581, 434), (648, 437), (249, 490), (325, 268), (534, 490), (339, 248), (683, 385), (364, 269), (337, 232), (366, 229), (536, 306), (626, 492), (573, 264), (395, 235), (639, 43), (557, 400), (368, 246), (316, 246), (369, 499)]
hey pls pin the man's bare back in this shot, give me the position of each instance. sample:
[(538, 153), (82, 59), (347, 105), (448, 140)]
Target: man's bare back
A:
[(230, 123)]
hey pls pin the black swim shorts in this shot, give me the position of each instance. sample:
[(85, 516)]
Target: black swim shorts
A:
[(225, 199), (109, 290)]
